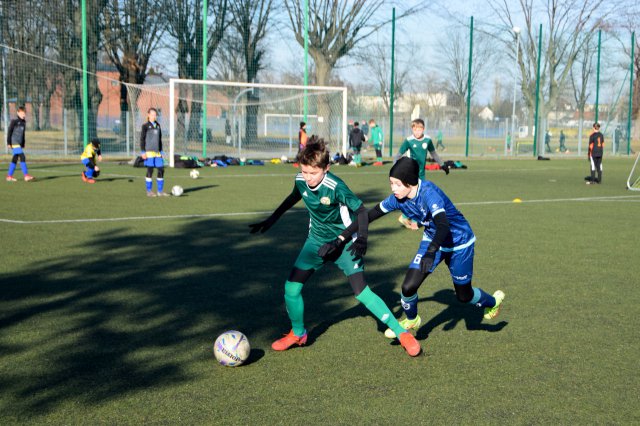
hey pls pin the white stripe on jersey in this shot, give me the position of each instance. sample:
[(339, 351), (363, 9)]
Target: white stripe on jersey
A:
[(383, 209)]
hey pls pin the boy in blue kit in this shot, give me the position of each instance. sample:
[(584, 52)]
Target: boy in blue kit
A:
[(15, 142), (447, 237), (90, 156), (151, 152)]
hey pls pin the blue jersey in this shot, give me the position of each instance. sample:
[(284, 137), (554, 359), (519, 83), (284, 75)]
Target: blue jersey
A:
[(429, 202)]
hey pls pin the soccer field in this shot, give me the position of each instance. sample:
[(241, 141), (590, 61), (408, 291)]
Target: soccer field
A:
[(111, 301)]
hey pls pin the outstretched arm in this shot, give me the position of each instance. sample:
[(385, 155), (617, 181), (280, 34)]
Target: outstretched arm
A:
[(288, 202), (436, 157), (362, 220)]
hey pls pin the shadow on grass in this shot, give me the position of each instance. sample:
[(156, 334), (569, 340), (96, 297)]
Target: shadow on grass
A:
[(198, 188)]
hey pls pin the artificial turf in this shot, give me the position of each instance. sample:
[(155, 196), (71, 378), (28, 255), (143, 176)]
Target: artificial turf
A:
[(110, 302)]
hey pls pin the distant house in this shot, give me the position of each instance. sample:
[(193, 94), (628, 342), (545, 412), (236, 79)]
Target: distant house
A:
[(486, 114)]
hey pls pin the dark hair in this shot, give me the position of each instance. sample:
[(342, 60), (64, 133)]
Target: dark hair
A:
[(302, 124), (417, 121), (356, 124), (20, 109), (152, 109), (95, 142), (596, 126), (315, 153)]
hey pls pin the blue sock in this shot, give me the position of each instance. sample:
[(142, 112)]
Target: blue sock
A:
[(23, 166), (160, 182), (12, 168), (482, 299), (410, 305), (149, 183), (89, 173)]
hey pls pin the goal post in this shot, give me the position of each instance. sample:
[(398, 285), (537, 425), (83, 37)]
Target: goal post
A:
[(251, 120), (633, 181)]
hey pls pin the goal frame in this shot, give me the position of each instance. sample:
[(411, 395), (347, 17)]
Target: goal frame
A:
[(629, 183), (305, 89)]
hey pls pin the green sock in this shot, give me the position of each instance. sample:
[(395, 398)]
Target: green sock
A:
[(379, 310), (295, 306)]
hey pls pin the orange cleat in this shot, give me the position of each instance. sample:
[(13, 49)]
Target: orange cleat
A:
[(289, 340), (84, 178), (410, 344), (28, 178), (11, 179)]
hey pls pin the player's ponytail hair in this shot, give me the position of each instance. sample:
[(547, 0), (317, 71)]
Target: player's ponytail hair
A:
[(315, 153)]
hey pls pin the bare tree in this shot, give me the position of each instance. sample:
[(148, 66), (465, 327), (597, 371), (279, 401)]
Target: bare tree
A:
[(184, 24), (565, 22), (132, 30), (250, 18), (580, 75), (454, 67)]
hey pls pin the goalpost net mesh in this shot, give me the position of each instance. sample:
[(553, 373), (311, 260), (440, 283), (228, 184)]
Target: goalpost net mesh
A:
[(254, 121)]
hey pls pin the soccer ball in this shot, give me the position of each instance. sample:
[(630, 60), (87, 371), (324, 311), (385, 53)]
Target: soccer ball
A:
[(284, 159), (194, 174), (231, 348), (177, 190)]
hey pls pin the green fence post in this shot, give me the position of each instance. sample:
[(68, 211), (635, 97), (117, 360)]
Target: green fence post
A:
[(205, 41), (535, 130), (85, 80), (305, 107), (466, 149), (392, 89), (633, 45), (598, 76)]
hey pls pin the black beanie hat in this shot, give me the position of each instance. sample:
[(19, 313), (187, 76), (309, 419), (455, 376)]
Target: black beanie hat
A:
[(407, 170)]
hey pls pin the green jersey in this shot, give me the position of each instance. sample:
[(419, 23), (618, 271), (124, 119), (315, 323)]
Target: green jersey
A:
[(418, 149), (331, 206), (375, 135)]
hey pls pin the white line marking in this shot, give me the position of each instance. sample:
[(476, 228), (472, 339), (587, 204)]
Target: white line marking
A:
[(614, 198)]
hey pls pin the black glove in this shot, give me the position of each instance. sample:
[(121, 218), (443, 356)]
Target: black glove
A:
[(445, 168), (359, 247), (261, 226), (427, 262), (329, 248)]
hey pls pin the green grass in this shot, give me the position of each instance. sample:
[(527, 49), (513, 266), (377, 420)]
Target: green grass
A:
[(114, 321)]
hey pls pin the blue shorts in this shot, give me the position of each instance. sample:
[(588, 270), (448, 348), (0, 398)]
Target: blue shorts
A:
[(17, 150), (460, 262), (154, 162), (88, 163)]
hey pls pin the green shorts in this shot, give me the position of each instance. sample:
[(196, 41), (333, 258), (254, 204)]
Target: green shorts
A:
[(309, 259)]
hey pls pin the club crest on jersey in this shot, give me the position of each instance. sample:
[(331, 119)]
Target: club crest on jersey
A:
[(424, 146), (325, 200)]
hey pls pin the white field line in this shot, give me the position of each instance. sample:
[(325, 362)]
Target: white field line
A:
[(618, 198), (292, 174)]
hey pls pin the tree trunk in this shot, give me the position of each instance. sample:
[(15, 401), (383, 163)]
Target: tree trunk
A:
[(323, 73), (580, 127)]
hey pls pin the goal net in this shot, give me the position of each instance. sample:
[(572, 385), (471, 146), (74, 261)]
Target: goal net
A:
[(633, 181), (250, 120)]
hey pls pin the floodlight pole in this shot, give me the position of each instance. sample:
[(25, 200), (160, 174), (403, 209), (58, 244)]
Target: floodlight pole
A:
[(598, 76), (85, 80), (205, 41), (516, 30), (631, 62), (535, 130)]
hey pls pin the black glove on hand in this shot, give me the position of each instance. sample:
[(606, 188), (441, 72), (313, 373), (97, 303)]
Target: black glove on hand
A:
[(261, 226), (427, 262), (445, 168), (359, 247), (329, 248)]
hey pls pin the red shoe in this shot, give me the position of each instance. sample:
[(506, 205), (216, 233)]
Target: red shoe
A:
[(11, 179), (378, 163), (84, 178), (28, 178), (289, 340), (295, 165), (410, 344)]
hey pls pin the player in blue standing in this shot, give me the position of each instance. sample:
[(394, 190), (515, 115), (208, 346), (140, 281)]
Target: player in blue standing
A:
[(151, 152), (447, 237), (15, 142)]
